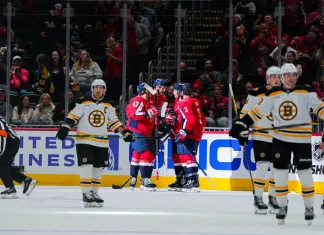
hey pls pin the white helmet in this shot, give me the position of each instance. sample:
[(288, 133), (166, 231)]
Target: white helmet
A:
[(287, 68), (273, 70), (98, 82)]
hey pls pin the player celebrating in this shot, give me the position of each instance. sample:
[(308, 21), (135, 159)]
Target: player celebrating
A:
[(262, 146), (289, 105), (9, 147), (93, 115), (141, 117), (159, 98), (192, 122), (171, 119)]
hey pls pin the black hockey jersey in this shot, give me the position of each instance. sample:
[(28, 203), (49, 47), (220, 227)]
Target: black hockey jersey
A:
[(6, 135)]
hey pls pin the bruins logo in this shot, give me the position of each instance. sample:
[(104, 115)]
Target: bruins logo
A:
[(288, 110), (96, 118)]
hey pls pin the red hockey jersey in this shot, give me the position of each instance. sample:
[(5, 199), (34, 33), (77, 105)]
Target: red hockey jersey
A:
[(176, 127), (191, 118), (160, 99), (138, 121)]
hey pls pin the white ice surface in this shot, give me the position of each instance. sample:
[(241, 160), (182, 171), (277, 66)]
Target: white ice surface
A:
[(60, 211)]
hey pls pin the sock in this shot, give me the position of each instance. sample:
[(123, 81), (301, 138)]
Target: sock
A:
[(272, 184), (144, 171), (281, 179), (192, 171), (150, 171), (134, 170), (85, 177), (261, 175), (96, 179), (307, 182)]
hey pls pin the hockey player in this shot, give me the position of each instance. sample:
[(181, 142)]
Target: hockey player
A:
[(93, 114), (160, 86), (289, 104), (262, 146), (141, 117), (171, 119), (192, 122), (9, 147)]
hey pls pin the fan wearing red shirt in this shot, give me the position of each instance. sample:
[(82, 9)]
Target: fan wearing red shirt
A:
[(192, 122)]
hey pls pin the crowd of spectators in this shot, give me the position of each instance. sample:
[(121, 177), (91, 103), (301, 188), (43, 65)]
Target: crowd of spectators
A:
[(96, 35)]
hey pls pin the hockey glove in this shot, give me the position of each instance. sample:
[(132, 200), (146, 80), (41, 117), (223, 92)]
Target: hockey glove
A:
[(237, 128), (152, 112), (128, 136), (63, 131), (243, 138), (181, 136)]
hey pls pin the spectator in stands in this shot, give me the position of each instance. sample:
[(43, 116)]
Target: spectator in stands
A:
[(17, 46), (22, 113), (43, 81), (285, 42), (203, 99), (292, 57), (207, 79), (247, 9), (170, 97), (113, 74), (57, 10), (263, 44), (267, 62), (139, 38), (314, 18), (294, 18), (249, 86), (3, 69), (3, 103), (59, 111), (218, 108), (319, 57), (84, 71), (44, 110), (58, 76), (268, 19), (18, 75)]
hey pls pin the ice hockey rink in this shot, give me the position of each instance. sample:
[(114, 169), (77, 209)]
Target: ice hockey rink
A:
[(60, 211)]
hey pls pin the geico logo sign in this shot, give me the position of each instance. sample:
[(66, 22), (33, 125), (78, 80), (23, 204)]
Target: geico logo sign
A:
[(221, 154)]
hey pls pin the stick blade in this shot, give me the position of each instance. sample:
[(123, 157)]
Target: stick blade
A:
[(150, 89), (116, 186)]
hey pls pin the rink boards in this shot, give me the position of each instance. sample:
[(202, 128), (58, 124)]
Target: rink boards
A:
[(53, 162)]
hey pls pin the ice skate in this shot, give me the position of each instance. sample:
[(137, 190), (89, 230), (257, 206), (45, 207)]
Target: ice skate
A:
[(259, 206), (133, 183), (89, 200), (273, 206), (147, 185), (191, 186), (281, 215), (28, 186), (176, 185), (309, 215), (322, 207), (99, 200), (9, 193)]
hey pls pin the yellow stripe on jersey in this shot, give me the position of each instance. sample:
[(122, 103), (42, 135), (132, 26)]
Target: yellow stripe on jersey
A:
[(294, 135), (73, 116), (262, 135), (320, 106), (300, 129), (260, 95), (107, 104), (276, 93), (91, 139), (321, 113), (256, 111), (243, 113), (301, 91), (113, 125), (87, 102)]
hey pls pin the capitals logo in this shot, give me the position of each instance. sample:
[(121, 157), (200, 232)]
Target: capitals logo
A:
[(317, 152)]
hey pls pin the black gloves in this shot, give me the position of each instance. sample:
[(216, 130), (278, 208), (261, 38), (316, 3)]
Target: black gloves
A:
[(63, 131), (128, 136), (240, 132)]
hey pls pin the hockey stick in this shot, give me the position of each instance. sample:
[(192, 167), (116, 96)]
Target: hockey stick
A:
[(244, 147), (286, 126), (156, 129), (110, 137), (249, 168), (121, 186)]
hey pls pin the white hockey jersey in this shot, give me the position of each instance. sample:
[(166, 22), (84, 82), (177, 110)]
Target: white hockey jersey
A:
[(290, 107), (93, 118), (256, 96)]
